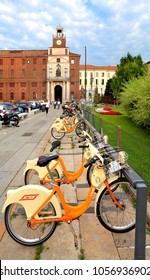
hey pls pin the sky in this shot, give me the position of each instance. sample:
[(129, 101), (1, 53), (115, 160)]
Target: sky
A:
[(106, 29)]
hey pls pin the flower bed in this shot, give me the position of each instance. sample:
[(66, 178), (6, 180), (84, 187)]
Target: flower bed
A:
[(107, 111)]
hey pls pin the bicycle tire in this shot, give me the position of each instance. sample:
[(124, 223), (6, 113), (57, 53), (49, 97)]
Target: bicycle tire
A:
[(112, 217), (32, 177), (57, 134), (18, 228), (80, 127)]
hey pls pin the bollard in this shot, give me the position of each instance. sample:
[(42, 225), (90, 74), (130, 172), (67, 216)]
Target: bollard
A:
[(0, 124), (140, 227)]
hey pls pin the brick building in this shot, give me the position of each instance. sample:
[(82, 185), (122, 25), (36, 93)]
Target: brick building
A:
[(51, 74)]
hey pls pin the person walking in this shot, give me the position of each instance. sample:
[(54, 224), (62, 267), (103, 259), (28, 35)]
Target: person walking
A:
[(47, 107)]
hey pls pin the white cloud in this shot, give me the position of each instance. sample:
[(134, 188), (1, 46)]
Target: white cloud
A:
[(109, 28)]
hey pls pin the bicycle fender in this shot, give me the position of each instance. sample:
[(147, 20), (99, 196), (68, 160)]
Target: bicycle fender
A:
[(42, 171), (101, 188), (31, 197), (58, 125)]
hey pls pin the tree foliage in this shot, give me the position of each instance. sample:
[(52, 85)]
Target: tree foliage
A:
[(135, 97), (129, 68)]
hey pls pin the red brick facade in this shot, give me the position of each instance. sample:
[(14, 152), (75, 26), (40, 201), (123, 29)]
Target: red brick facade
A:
[(25, 74)]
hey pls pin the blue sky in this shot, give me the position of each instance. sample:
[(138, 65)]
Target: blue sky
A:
[(108, 28)]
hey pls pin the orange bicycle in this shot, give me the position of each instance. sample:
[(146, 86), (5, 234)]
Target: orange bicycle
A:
[(32, 212)]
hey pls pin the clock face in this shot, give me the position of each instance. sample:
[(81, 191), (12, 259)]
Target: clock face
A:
[(58, 42)]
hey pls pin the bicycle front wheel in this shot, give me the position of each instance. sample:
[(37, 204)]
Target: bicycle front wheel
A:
[(80, 127), (32, 177), (57, 134), (110, 215), (19, 229)]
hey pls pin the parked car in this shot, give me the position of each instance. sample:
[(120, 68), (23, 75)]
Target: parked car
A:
[(24, 106), (11, 106), (6, 113)]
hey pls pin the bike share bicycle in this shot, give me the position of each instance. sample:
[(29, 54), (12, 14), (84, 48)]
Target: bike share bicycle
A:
[(32, 212)]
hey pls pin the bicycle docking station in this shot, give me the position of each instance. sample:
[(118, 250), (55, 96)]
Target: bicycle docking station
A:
[(140, 191)]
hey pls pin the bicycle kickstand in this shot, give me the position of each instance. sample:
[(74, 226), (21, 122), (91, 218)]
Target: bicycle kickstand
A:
[(74, 234)]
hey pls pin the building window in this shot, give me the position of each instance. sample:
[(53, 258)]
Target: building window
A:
[(102, 81), (1, 62), (22, 95), (23, 84), (1, 84), (108, 75), (12, 73), (50, 72), (34, 73), (1, 73), (44, 95), (44, 61), (12, 84), (96, 81), (72, 61), (23, 61), (58, 60), (23, 72), (1, 96), (12, 61), (34, 60), (43, 73), (34, 84), (97, 75), (102, 74), (80, 82), (12, 96), (80, 74), (72, 83), (34, 95), (43, 84)]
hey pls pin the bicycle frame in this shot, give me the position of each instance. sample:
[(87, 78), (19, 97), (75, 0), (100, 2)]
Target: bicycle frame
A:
[(69, 177), (34, 198)]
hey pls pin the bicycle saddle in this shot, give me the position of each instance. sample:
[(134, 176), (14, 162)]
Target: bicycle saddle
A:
[(44, 160), (55, 144)]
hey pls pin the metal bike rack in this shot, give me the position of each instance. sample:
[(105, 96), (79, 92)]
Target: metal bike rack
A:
[(141, 201)]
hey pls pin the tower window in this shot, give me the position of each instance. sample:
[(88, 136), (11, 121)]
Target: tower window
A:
[(58, 60)]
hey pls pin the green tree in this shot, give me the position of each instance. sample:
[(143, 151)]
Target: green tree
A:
[(129, 68), (135, 97)]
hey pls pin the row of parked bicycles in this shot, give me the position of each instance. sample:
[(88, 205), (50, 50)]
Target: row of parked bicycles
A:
[(32, 212)]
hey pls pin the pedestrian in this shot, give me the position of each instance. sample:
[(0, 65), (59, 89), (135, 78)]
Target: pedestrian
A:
[(55, 103), (47, 106), (58, 104)]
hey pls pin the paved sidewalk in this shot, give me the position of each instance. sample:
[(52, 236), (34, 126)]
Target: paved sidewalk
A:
[(95, 242)]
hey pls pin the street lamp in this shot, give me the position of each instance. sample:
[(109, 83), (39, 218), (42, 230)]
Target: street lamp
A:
[(91, 83)]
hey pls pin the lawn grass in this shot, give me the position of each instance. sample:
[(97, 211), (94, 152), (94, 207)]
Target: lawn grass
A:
[(134, 140)]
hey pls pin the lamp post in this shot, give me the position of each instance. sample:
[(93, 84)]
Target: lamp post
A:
[(91, 83)]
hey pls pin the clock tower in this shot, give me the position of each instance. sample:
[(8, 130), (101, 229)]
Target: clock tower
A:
[(60, 40), (62, 70)]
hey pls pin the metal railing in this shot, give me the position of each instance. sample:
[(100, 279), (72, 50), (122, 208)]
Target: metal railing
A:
[(141, 201)]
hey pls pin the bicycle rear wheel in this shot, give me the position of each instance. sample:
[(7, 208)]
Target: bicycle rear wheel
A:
[(19, 229), (110, 215), (32, 177), (57, 134)]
